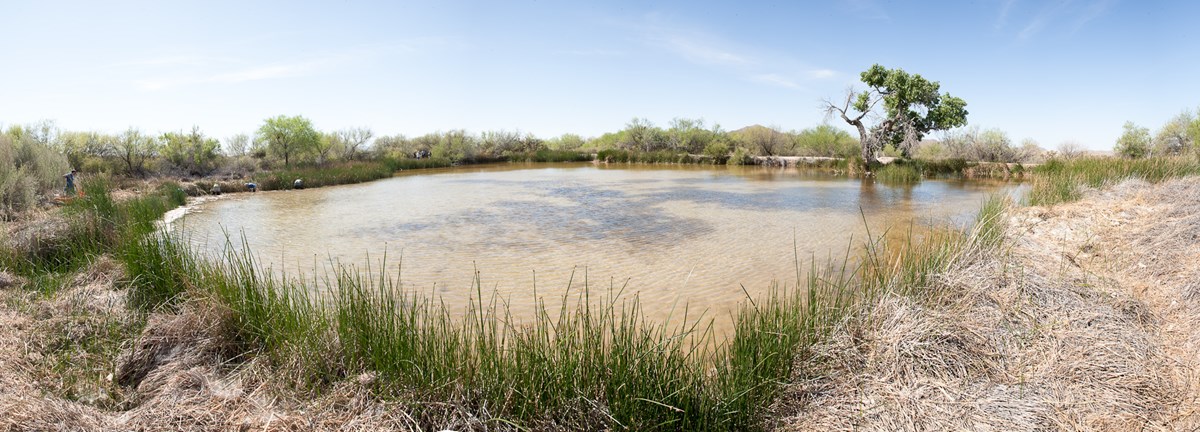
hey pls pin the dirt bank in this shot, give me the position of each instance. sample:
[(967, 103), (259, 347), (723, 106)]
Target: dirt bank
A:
[(1087, 319)]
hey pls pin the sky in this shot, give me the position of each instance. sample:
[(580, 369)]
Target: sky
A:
[(1050, 70)]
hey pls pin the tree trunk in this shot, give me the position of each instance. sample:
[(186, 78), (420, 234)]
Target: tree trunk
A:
[(868, 147)]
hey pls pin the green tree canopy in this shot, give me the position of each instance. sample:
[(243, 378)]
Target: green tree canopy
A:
[(289, 136), (192, 151), (912, 106), (1134, 141)]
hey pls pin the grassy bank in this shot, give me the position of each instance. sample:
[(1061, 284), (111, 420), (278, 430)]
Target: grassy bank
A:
[(589, 360), (1058, 181)]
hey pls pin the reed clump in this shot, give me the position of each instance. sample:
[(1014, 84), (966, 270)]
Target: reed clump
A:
[(897, 174), (1059, 180)]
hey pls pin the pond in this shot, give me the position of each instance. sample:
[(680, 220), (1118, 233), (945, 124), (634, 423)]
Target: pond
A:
[(674, 235)]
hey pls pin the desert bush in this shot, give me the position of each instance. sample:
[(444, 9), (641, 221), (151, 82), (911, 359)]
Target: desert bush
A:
[(28, 171)]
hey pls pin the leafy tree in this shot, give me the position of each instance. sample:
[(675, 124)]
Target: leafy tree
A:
[(566, 141), (327, 145), (79, 146), (456, 145), (394, 146), (641, 134), (191, 151), (134, 148), (826, 140), (912, 106), (289, 136), (765, 141), (1194, 133), (1174, 138), (1134, 142)]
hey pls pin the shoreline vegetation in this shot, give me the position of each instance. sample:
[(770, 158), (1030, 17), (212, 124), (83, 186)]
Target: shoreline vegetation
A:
[(108, 322), (589, 361)]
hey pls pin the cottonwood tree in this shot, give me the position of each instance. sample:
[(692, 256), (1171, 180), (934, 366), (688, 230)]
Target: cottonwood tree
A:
[(903, 106), (288, 136), (133, 148), (1134, 141)]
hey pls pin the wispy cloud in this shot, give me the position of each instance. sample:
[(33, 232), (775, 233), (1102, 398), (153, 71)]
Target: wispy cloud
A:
[(710, 50), (1092, 11), (1070, 14), (241, 75), (1005, 9), (775, 80), (174, 71), (695, 50), (821, 73)]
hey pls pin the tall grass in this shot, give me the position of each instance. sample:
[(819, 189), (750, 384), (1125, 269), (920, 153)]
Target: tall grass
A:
[(409, 164), (896, 174), (551, 156), (334, 174), (588, 360), (653, 157), (1058, 181)]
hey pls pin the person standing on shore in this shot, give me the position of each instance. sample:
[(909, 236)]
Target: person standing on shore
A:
[(70, 189)]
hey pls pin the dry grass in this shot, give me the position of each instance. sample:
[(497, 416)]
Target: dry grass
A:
[(1082, 323)]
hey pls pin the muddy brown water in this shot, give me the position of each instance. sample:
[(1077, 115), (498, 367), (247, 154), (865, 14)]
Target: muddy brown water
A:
[(673, 235)]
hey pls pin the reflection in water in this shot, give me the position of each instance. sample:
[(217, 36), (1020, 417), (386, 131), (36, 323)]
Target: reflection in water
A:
[(675, 234)]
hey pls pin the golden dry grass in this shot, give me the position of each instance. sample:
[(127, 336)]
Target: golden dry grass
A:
[(1087, 321)]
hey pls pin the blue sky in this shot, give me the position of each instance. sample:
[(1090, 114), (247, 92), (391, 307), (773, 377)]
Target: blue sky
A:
[(1049, 70)]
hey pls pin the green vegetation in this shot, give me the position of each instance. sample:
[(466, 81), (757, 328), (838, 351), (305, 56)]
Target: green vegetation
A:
[(1134, 142), (898, 174), (329, 175), (29, 169), (285, 136), (192, 152), (547, 155), (1058, 181), (904, 98)]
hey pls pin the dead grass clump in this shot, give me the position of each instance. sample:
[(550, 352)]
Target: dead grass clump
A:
[(103, 271), (1019, 339), (198, 334), (35, 413), (41, 234), (9, 280)]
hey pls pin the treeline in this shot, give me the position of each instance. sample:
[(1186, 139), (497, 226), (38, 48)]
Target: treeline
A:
[(977, 145), (680, 137), (1179, 135)]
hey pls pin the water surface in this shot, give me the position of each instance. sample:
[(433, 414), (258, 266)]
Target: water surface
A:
[(673, 235)]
